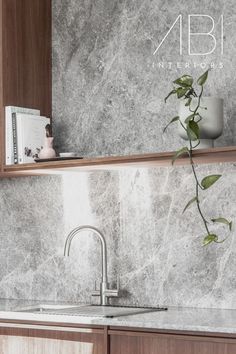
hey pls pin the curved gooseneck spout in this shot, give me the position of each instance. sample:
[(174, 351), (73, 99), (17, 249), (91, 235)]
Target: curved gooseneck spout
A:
[(79, 229)]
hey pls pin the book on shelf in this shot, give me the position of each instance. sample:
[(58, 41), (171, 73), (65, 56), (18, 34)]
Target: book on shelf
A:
[(9, 148), (28, 136)]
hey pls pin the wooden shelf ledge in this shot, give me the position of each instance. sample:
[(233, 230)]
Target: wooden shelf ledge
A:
[(204, 156)]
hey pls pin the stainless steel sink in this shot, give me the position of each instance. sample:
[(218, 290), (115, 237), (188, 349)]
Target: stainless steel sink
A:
[(45, 308), (90, 310), (106, 311)]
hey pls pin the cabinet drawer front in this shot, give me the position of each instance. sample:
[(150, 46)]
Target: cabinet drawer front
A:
[(169, 344), (34, 345), (44, 341)]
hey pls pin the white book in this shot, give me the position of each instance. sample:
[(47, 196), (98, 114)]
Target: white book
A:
[(30, 136), (9, 152)]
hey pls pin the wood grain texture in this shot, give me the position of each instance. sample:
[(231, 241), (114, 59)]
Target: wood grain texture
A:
[(101, 340), (27, 341), (215, 155), (25, 58), (161, 344), (2, 125), (5, 323), (31, 345), (114, 330), (26, 54)]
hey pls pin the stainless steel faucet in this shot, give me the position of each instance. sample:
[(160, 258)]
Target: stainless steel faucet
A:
[(105, 293)]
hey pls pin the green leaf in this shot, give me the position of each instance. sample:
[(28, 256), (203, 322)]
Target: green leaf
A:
[(194, 127), (179, 153), (175, 119), (203, 78), (193, 130), (181, 91), (189, 100), (184, 81), (208, 181), (190, 117), (171, 93), (190, 203), (209, 239), (223, 221)]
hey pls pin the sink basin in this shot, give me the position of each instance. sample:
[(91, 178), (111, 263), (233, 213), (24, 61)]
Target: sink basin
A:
[(89, 310), (45, 308), (107, 311)]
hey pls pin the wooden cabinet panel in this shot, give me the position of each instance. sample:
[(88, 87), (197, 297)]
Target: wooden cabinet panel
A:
[(27, 345), (49, 339), (26, 54), (169, 344), (27, 341), (25, 59)]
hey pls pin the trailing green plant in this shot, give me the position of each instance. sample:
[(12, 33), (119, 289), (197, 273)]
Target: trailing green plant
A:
[(185, 88)]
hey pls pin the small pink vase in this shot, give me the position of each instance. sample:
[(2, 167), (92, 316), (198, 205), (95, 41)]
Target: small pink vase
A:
[(47, 152)]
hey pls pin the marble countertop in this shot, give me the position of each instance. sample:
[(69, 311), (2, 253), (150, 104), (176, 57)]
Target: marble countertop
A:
[(181, 319)]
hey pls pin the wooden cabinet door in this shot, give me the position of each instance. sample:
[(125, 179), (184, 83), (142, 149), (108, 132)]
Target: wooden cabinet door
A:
[(148, 343), (25, 59), (50, 340)]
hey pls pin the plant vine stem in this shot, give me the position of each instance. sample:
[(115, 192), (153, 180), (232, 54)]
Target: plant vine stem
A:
[(193, 168), (197, 190)]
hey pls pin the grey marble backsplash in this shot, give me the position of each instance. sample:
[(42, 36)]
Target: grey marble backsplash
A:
[(109, 91), (155, 250)]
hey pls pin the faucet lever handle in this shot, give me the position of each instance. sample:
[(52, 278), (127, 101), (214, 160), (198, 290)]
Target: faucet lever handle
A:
[(96, 292)]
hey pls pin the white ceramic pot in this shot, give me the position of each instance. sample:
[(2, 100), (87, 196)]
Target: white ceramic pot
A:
[(211, 125)]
